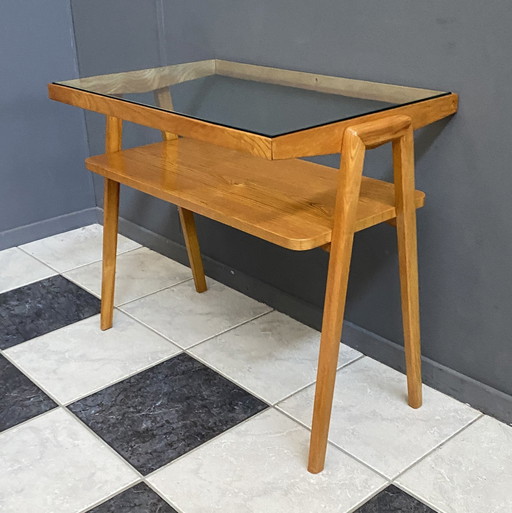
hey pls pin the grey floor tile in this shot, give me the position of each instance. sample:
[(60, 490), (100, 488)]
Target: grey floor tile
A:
[(18, 269), (161, 413), (68, 250), (138, 273), (81, 359), (471, 473), (20, 399), (138, 499), (186, 317), (41, 307), (53, 464)]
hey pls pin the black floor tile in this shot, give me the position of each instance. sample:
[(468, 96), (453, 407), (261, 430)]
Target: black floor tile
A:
[(42, 307), (20, 399), (159, 414), (138, 499), (394, 500)]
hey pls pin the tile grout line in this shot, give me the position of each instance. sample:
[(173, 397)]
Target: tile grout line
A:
[(228, 378), (55, 408), (242, 386), (368, 498), (196, 343), (183, 456), (44, 334), (330, 442), (154, 292), (162, 495), (70, 413), (441, 444), (98, 296), (423, 500), (15, 364), (81, 265), (127, 376), (110, 496), (103, 442), (298, 391), (39, 260), (30, 282), (243, 323), (186, 280)]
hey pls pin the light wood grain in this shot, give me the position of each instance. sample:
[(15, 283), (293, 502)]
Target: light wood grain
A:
[(144, 80), (323, 83), (165, 121), (289, 203), (113, 143), (355, 142)]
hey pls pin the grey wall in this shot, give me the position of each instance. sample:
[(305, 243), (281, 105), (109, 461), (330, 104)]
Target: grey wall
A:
[(465, 233), (42, 143)]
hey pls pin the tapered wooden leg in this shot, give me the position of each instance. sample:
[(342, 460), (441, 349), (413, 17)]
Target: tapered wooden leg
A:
[(113, 143), (335, 296), (188, 226), (408, 263), (334, 309), (111, 213)]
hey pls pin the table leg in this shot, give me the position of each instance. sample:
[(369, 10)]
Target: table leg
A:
[(347, 198), (403, 159), (163, 99), (188, 226), (111, 215), (113, 143)]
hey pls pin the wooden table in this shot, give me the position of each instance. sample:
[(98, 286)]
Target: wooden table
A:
[(232, 135)]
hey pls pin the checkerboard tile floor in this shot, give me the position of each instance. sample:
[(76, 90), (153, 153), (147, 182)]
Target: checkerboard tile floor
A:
[(197, 403)]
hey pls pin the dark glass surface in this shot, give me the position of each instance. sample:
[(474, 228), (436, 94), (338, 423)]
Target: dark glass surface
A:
[(261, 107)]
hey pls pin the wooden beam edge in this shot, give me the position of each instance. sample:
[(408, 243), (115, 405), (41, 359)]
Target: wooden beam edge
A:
[(326, 139), (239, 140)]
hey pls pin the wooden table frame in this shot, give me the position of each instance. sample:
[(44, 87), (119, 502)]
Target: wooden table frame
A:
[(350, 137), (321, 140)]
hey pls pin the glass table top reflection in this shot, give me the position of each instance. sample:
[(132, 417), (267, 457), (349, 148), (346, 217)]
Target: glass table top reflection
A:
[(267, 101)]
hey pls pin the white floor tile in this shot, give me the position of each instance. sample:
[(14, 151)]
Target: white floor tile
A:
[(79, 359), (52, 464), (260, 466), (272, 356), (138, 273), (72, 249), (18, 269), (187, 317), (372, 421), (471, 473)]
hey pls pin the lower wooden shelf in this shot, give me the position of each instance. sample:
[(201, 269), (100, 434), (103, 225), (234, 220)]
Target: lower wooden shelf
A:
[(287, 202)]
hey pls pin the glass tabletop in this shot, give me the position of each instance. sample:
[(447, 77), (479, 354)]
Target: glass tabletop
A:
[(256, 99)]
